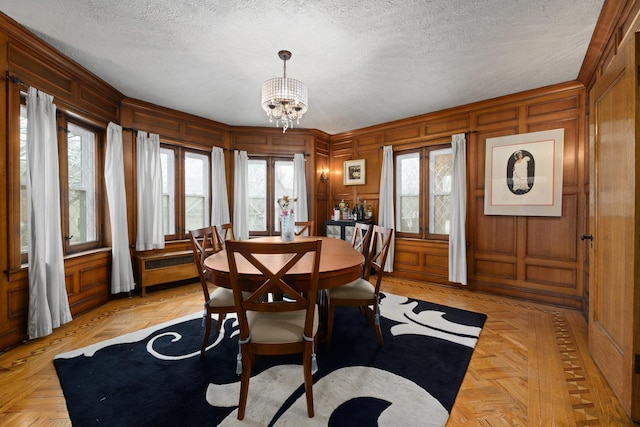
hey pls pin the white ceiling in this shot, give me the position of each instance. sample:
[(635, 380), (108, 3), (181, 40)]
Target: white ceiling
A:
[(364, 63)]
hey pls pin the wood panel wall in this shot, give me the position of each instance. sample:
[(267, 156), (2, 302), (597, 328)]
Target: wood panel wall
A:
[(540, 259), (78, 92), (537, 258)]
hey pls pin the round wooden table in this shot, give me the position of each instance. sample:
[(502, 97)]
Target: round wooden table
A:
[(339, 264)]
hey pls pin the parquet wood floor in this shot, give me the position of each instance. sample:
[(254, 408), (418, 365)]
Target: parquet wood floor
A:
[(531, 366)]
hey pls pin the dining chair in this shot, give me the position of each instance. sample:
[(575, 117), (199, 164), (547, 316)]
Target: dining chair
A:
[(220, 301), (361, 292), (360, 238), (275, 327), (302, 226), (223, 232)]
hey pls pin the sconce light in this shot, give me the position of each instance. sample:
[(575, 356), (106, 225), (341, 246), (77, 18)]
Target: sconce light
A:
[(324, 175)]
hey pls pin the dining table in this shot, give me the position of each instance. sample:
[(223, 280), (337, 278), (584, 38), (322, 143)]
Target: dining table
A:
[(340, 264)]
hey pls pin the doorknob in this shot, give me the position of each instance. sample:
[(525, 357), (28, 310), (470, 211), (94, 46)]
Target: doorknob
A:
[(587, 237)]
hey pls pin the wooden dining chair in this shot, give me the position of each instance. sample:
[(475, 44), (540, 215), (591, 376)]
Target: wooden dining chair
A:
[(223, 233), (302, 226), (220, 301), (361, 292), (360, 240), (274, 327)]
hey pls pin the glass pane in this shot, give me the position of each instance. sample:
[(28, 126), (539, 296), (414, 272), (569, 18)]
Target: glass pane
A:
[(168, 171), (81, 163), (441, 172), (257, 195), (196, 189), (283, 172), (194, 212), (408, 192), (24, 231), (442, 215)]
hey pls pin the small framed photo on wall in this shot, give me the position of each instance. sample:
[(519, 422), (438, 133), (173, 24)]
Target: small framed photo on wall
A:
[(354, 172)]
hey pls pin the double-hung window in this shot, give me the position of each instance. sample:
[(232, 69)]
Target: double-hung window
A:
[(186, 194), (423, 192), (269, 179), (79, 159), (81, 165)]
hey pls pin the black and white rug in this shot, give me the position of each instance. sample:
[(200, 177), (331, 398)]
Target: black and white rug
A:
[(155, 377)]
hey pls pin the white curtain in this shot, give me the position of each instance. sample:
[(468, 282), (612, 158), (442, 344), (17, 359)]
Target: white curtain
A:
[(300, 188), (457, 233), (48, 302), (386, 213), (219, 198), (150, 233), (121, 271), (241, 195)]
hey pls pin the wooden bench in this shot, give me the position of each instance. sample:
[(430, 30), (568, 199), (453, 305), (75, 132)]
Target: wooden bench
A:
[(155, 268)]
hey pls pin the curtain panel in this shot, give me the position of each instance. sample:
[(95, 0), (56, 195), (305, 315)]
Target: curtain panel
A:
[(150, 233), (121, 270), (48, 301), (457, 231), (219, 197), (386, 215), (300, 188), (241, 195)]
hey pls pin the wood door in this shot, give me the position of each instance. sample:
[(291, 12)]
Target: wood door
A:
[(614, 309)]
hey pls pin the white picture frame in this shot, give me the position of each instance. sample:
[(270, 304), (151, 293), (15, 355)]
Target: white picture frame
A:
[(523, 174), (354, 172)]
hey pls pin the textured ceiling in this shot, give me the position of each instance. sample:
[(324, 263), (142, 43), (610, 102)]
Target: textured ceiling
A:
[(364, 63)]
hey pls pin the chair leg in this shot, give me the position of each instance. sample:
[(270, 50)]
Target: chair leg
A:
[(331, 311), (205, 337), (221, 318), (379, 334), (308, 379), (377, 321), (247, 362)]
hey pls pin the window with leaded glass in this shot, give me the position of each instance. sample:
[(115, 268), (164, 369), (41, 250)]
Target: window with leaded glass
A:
[(423, 191)]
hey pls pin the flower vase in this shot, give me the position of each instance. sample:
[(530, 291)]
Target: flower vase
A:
[(287, 228)]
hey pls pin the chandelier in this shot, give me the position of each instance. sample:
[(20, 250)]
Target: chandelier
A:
[(284, 99)]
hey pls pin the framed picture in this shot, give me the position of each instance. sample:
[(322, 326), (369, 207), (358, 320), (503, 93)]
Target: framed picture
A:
[(354, 172), (523, 174)]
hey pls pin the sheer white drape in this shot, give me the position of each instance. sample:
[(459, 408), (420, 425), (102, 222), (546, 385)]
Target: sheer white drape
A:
[(386, 214), (300, 188), (121, 271), (48, 302), (457, 232), (219, 197), (241, 195), (150, 233)]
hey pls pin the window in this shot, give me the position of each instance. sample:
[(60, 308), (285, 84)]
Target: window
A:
[(24, 231), (168, 166), (80, 174), (423, 191), (186, 194), (196, 190), (269, 179), (81, 168)]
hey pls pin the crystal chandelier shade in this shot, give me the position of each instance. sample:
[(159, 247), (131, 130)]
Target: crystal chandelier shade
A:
[(284, 99)]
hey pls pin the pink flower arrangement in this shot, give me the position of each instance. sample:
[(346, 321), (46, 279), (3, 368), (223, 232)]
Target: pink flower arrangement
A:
[(285, 205)]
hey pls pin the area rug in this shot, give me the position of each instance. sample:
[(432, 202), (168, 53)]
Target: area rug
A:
[(155, 377)]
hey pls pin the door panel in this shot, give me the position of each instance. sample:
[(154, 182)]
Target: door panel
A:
[(614, 252)]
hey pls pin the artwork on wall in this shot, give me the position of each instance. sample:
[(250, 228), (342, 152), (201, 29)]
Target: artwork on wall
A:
[(523, 174), (354, 172)]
